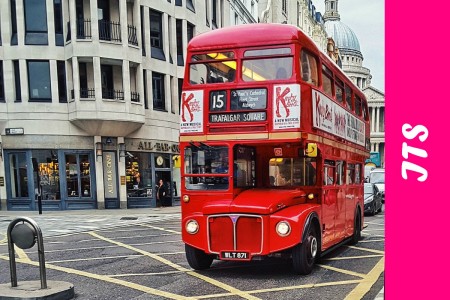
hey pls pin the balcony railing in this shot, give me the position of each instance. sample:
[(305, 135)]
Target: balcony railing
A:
[(132, 38), (135, 97), (109, 31), (85, 93), (84, 29), (112, 94)]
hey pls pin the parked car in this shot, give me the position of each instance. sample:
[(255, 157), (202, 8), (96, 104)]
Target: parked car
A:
[(372, 199), (377, 178)]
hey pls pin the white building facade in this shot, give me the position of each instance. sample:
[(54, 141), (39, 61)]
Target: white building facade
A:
[(89, 99)]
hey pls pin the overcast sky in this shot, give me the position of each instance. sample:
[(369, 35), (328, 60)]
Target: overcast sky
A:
[(366, 19)]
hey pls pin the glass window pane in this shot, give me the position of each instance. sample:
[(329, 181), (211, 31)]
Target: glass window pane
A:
[(138, 175), (267, 69), (208, 161), (39, 80), (85, 175), (47, 174), (35, 16), (18, 173), (72, 175)]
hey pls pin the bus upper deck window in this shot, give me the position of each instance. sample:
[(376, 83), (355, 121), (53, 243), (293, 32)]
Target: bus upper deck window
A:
[(358, 109), (309, 68), (267, 69), (261, 66), (348, 97), (212, 67), (327, 80)]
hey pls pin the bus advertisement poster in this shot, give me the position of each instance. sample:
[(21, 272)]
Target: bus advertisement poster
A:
[(334, 119), (191, 112), (286, 106)]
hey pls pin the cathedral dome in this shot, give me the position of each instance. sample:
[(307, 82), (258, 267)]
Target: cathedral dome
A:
[(344, 38)]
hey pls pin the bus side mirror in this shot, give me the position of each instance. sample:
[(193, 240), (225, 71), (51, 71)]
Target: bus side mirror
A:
[(311, 150)]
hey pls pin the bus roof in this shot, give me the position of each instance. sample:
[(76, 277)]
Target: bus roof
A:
[(253, 34)]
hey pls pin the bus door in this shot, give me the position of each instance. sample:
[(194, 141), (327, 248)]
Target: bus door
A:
[(353, 181), (341, 203), (329, 202), (244, 167)]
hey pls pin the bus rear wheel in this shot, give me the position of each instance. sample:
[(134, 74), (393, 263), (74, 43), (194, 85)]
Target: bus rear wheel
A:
[(356, 230), (305, 254), (197, 259)]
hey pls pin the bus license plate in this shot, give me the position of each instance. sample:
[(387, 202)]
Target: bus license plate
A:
[(234, 255)]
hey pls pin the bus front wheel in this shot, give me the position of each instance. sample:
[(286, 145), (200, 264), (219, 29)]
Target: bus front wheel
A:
[(197, 259), (304, 254)]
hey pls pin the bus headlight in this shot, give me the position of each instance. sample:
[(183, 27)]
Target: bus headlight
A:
[(283, 228), (192, 226)]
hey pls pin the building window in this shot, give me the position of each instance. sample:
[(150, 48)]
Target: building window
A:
[(236, 19), (62, 89), (156, 35), (39, 86), (78, 175), (179, 29), (59, 37), (156, 38), (214, 14), (17, 88), (178, 3), (207, 12), (284, 7), (46, 173), (35, 22), (142, 31), (13, 22), (190, 31), (190, 5), (139, 175), (158, 91), (18, 175), (145, 89), (2, 85)]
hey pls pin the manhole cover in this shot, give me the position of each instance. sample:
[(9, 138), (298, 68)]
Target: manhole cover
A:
[(129, 218)]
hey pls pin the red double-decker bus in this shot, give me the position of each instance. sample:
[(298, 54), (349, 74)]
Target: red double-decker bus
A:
[(273, 140)]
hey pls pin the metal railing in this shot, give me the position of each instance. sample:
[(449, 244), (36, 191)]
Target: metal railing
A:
[(85, 93), (109, 31), (132, 37), (135, 97), (84, 29), (112, 94)]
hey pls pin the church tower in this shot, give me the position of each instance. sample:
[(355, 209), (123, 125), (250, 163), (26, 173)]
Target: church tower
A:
[(331, 10)]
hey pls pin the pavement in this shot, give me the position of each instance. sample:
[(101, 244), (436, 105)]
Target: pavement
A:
[(73, 221), (53, 223)]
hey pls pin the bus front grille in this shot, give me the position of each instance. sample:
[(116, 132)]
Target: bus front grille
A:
[(235, 232)]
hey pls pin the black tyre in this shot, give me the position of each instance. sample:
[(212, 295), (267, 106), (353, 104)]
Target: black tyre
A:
[(374, 209), (357, 229), (305, 254), (381, 208), (197, 259)]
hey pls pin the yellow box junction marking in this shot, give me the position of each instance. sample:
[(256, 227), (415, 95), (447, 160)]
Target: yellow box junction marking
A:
[(217, 283)]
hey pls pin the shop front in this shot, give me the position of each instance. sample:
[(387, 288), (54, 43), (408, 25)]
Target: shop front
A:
[(54, 179), (146, 163), (104, 173)]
